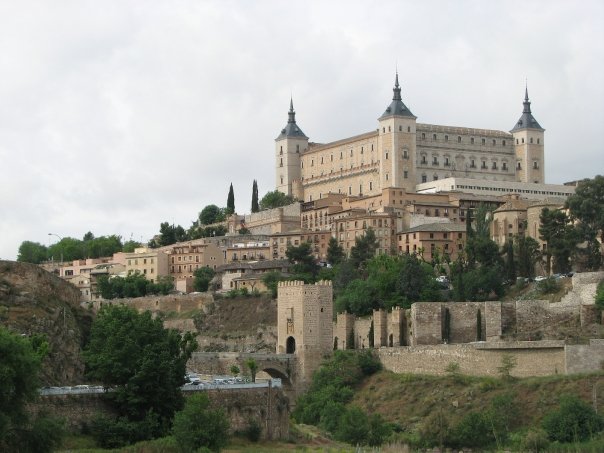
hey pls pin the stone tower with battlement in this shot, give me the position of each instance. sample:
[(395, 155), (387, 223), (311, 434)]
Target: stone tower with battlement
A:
[(305, 324)]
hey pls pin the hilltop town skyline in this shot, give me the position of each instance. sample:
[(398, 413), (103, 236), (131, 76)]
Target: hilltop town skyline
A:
[(120, 118)]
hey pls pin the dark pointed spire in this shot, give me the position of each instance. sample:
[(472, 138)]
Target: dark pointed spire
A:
[(397, 107), (291, 129), (527, 120), (526, 103), (396, 90), (291, 115)]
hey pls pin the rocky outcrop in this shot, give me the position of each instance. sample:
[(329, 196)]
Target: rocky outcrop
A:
[(34, 301)]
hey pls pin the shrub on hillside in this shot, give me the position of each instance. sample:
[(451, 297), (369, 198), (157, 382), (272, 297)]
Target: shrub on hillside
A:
[(253, 430), (116, 432), (197, 426), (574, 421), (548, 286), (324, 404), (473, 430), (535, 441)]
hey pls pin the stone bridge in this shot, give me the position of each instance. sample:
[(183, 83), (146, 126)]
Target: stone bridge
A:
[(268, 406), (282, 366)]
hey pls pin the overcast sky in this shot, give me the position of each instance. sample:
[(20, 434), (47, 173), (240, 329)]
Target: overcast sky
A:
[(116, 116)]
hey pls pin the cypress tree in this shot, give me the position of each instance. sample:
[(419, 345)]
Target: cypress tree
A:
[(510, 263), (231, 200), (255, 206)]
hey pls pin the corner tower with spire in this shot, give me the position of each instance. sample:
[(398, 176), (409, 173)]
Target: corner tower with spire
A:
[(397, 144), (288, 146), (529, 146)]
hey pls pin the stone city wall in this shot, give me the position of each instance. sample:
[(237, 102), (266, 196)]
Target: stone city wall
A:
[(176, 303), (474, 361), (582, 358)]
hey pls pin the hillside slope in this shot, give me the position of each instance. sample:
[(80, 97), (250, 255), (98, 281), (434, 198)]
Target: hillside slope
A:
[(33, 301), (410, 402)]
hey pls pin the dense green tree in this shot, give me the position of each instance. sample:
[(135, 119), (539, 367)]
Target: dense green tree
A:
[(32, 252), (212, 214), (478, 272), (203, 277), (586, 209), (358, 298), (510, 261), (389, 281), (168, 235), (415, 281), (88, 237), (130, 245), (133, 285), (144, 363), (68, 249), (335, 252), (482, 283), (219, 230), (230, 208), (574, 421), (255, 205), (252, 365), (560, 238), (364, 249), (102, 246), (304, 265), (19, 371), (271, 281), (199, 426), (275, 199), (345, 272), (527, 254)]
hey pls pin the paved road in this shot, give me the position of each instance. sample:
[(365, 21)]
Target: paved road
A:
[(204, 385)]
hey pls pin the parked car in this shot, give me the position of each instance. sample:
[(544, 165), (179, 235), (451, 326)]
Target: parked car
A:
[(540, 278)]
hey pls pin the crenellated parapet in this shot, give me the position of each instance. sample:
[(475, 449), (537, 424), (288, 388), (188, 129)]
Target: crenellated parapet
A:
[(304, 323), (299, 283)]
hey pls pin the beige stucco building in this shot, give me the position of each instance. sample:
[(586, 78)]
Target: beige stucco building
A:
[(430, 239), (520, 217), (403, 153), (152, 263)]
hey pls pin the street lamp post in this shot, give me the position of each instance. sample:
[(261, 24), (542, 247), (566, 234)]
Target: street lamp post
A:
[(60, 239)]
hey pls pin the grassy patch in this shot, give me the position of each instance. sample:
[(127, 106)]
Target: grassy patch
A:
[(406, 400)]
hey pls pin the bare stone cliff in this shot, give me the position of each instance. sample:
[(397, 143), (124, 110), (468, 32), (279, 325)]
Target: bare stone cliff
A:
[(34, 301)]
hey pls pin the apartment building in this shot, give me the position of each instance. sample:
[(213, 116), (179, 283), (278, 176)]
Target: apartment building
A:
[(428, 240), (152, 263)]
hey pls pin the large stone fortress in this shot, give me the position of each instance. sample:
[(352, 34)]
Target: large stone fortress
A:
[(403, 153)]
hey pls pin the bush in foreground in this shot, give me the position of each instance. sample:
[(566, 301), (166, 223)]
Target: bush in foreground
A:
[(574, 421), (198, 426)]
